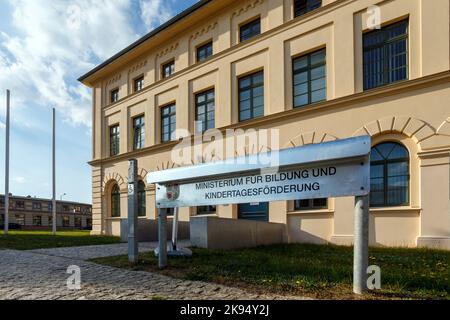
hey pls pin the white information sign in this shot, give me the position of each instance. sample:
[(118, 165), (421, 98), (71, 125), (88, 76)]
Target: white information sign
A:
[(343, 172)]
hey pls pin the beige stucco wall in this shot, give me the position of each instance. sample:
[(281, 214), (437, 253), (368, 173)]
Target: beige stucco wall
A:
[(415, 113)]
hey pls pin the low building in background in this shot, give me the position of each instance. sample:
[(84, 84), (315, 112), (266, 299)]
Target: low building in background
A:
[(36, 214)]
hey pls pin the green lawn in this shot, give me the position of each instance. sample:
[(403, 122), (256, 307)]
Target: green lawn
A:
[(28, 240), (309, 270)]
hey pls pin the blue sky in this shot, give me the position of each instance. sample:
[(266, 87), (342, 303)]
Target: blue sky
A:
[(44, 47)]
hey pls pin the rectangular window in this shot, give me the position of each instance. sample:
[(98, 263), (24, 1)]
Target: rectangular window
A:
[(250, 30), (2, 218), (205, 51), (50, 221), (309, 82), (386, 55), (37, 206), (2, 202), (50, 206), (168, 69), (139, 84), (114, 95), (77, 209), (66, 222), (20, 205), (304, 6), (89, 223), (77, 222), (37, 221), (20, 219), (114, 140), (205, 111), (251, 96), (311, 204), (206, 210), (138, 133), (66, 208), (168, 123)]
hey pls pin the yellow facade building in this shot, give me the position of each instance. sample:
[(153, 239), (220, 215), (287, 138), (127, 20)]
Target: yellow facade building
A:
[(316, 71)]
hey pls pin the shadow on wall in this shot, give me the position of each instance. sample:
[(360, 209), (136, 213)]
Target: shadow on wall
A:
[(316, 228), (148, 230)]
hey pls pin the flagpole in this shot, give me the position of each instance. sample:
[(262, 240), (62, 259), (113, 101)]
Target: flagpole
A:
[(6, 222), (54, 173)]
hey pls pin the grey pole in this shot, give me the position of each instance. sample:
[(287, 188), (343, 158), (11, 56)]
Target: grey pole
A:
[(54, 173), (133, 250), (175, 229), (6, 227), (162, 235), (361, 245)]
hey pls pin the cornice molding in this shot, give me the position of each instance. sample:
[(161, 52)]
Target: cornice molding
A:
[(245, 8), (204, 30)]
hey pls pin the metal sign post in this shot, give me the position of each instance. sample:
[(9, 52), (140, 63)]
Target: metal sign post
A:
[(6, 220), (54, 172), (333, 169), (361, 245), (162, 238), (133, 250), (176, 250)]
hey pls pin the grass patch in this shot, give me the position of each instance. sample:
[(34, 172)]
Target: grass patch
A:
[(323, 272), (29, 240)]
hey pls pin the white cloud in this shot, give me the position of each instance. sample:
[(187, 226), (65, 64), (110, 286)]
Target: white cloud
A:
[(52, 43), (154, 12), (19, 180)]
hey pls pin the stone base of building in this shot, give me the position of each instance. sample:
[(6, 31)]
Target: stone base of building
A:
[(343, 240), (434, 242)]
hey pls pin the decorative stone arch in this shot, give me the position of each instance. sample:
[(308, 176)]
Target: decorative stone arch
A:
[(444, 128), (416, 129), (309, 138), (113, 177), (108, 182)]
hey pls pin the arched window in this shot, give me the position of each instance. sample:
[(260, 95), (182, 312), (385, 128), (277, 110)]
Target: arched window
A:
[(115, 201), (141, 198), (389, 175)]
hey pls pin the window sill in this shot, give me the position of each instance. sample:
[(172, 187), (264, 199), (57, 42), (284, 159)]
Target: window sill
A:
[(396, 209), (318, 211)]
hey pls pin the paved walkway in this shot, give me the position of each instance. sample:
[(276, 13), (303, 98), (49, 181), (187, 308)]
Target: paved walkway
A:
[(42, 274), (109, 250)]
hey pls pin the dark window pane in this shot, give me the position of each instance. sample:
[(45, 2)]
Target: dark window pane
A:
[(115, 201), (141, 199), (309, 78), (138, 133), (385, 55), (168, 123), (251, 96), (304, 6), (114, 95), (250, 30), (168, 69), (204, 51), (389, 175), (114, 138), (139, 84), (311, 204), (205, 109)]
